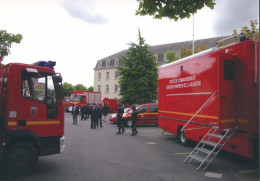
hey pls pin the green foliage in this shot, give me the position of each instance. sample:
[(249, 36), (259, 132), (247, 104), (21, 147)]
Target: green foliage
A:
[(80, 87), (91, 88), (250, 34), (185, 52), (6, 40), (171, 56), (139, 74), (172, 9), (67, 89)]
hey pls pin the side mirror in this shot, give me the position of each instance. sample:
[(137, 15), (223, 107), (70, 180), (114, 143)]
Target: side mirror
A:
[(57, 79), (59, 91)]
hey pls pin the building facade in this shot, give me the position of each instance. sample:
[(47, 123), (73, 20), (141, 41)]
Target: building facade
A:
[(106, 75)]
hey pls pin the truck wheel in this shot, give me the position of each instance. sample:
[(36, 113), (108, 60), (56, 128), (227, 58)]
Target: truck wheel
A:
[(20, 159), (129, 123), (182, 137)]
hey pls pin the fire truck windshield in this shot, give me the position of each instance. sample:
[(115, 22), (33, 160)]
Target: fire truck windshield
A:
[(34, 87), (75, 98)]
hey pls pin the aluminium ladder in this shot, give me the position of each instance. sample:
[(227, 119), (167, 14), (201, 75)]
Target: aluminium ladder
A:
[(208, 148)]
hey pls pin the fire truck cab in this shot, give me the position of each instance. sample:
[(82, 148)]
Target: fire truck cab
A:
[(31, 115)]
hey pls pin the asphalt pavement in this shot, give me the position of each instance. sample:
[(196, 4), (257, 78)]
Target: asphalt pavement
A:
[(102, 155)]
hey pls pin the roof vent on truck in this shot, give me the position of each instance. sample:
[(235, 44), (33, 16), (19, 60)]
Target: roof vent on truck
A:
[(49, 64)]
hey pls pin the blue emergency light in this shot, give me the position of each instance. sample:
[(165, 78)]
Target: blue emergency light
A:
[(49, 64)]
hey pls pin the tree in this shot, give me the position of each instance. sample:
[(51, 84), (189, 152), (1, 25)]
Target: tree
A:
[(171, 56), (6, 41), (80, 87), (250, 34), (172, 9), (67, 89), (185, 52), (138, 74), (91, 88)]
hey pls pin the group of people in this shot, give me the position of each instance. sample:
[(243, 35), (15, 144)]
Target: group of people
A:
[(120, 122), (94, 111)]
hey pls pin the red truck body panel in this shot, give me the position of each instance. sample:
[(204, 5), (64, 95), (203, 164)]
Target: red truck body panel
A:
[(233, 73)]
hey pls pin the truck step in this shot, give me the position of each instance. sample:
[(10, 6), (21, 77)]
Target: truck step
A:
[(216, 136), (204, 150), (197, 158), (210, 143)]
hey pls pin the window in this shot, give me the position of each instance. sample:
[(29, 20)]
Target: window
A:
[(154, 108), (160, 57), (99, 88), (112, 63), (107, 88), (99, 75), (165, 58), (108, 63), (143, 109), (117, 62), (107, 76), (229, 70), (116, 87), (34, 88), (116, 74), (99, 64)]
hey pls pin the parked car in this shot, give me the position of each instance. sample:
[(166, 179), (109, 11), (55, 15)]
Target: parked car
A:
[(112, 117), (147, 114)]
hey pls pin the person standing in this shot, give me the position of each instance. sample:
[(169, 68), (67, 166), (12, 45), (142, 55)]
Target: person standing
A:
[(83, 112), (120, 112), (99, 118), (75, 111), (134, 119), (105, 111), (94, 116), (87, 111)]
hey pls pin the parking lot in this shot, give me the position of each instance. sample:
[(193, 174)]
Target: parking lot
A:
[(100, 154)]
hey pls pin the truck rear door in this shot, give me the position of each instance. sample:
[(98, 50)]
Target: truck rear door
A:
[(227, 91)]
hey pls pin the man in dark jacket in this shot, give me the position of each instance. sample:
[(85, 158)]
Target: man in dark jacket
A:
[(94, 116), (105, 111), (119, 122), (134, 119), (75, 111), (99, 119)]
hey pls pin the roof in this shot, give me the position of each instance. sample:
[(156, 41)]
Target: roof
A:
[(176, 47)]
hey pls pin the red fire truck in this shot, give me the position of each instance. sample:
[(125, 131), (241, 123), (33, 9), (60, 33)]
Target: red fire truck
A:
[(215, 88), (111, 103), (83, 97), (31, 115)]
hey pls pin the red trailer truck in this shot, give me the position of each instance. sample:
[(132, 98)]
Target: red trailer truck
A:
[(111, 103), (216, 88), (31, 115), (83, 97)]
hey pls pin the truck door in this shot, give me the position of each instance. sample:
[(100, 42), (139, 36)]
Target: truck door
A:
[(142, 115), (227, 91), (38, 107)]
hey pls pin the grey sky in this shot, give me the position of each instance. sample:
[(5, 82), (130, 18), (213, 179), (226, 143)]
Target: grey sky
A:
[(234, 14)]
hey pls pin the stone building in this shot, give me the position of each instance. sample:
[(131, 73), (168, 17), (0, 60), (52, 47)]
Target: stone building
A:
[(106, 75)]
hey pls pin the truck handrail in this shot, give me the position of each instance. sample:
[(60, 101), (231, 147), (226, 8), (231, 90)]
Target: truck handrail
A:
[(199, 110)]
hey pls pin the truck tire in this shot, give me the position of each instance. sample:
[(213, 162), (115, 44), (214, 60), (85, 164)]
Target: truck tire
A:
[(20, 159), (129, 123), (182, 137)]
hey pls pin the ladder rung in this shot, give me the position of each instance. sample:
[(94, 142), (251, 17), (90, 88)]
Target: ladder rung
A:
[(211, 143), (198, 158), (216, 135), (204, 150)]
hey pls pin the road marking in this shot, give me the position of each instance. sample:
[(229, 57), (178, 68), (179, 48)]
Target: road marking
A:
[(247, 171), (213, 175), (184, 153), (151, 143)]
